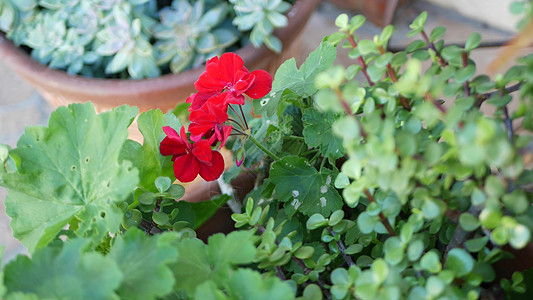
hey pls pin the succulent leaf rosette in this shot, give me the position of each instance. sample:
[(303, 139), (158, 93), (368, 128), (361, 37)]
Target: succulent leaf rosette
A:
[(138, 38)]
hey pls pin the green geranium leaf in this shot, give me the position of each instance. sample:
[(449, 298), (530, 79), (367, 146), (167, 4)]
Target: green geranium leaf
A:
[(67, 273), (459, 261), (318, 133), (192, 266), (70, 169), (301, 81), (235, 248), (304, 188), (147, 158), (143, 261), (248, 284), (198, 262)]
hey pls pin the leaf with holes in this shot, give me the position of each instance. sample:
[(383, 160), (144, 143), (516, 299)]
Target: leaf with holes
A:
[(318, 133), (304, 188), (70, 170)]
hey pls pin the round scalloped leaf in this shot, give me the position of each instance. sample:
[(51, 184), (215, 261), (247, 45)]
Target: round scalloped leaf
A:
[(70, 169)]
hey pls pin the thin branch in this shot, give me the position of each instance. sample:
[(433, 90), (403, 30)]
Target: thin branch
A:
[(508, 124), (430, 44), (360, 59), (382, 218), (280, 273), (483, 97), (436, 103), (489, 44), (348, 111), (394, 77), (342, 250), (466, 88), (302, 265)]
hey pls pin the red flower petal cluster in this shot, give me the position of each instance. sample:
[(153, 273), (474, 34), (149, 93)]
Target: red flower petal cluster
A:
[(228, 76), (224, 82), (209, 122), (191, 159)]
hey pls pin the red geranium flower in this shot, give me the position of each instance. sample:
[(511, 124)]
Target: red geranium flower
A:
[(228, 76), (191, 159), (208, 122)]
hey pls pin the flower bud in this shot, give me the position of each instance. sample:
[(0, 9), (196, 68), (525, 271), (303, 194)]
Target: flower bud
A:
[(239, 156)]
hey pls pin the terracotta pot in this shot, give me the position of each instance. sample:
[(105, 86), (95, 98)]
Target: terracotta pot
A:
[(164, 92), (379, 12)]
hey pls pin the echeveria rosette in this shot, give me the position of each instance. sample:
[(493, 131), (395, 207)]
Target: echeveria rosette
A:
[(227, 75), (191, 159), (190, 33)]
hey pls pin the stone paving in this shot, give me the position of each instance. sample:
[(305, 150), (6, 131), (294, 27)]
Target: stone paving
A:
[(21, 105)]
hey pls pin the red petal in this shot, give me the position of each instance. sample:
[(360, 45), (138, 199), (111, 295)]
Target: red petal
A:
[(198, 100), (232, 98), (202, 151), (171, 133), (228, 66), (214, 170), (172, 147), (226, 131), (209, 82), (261, 85), (172, 144), (217, 108), (186, 168), (243, 82)]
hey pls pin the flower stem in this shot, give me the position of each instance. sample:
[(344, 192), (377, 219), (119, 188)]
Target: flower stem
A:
[(238, 116), (265, 150), (243, 117)]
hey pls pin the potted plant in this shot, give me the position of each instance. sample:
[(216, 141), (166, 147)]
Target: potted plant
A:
[(371, 190), (125, 40)]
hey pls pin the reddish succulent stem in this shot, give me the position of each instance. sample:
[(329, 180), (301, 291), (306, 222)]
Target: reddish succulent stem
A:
[(466, 88), (428, 97), (382, 218), (430, 44), (360, 58), (349, 112), (394, 77)]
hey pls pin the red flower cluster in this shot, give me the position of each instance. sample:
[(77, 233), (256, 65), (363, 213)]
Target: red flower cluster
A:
[(224, 82)]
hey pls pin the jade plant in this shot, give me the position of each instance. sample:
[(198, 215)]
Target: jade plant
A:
[(138, 38), (395, 186)]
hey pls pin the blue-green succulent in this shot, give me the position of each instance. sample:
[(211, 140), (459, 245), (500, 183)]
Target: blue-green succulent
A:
[(262, 17), (137, 38), (190, 33)]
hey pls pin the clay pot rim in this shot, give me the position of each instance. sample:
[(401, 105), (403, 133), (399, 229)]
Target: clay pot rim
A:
[(17, 58)]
